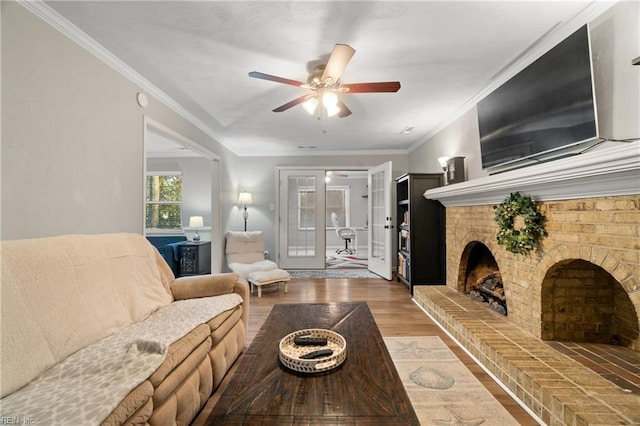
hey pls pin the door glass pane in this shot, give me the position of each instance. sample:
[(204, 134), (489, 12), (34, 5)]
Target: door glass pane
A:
[(301, 216), (337, 201), (378, 219)]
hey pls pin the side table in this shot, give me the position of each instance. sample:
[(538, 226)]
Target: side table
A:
[(194, 258)]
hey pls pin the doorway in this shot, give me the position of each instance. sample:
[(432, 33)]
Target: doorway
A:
[(169, 153), (347, 219), (311, 199)]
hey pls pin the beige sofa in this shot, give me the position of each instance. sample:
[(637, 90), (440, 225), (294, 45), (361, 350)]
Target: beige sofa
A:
[(95, 329)]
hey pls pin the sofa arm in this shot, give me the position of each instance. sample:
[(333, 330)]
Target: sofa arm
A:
[(193, 286)]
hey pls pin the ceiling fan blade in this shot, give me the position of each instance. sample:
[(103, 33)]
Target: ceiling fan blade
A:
[(338, 61), (293, 103), (344, 110), (263, 76), (383, 86)]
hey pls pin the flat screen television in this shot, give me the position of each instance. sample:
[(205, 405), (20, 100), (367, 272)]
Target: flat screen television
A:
[(546, 111)]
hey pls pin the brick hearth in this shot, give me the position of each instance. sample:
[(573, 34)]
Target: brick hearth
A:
[(557, 389)]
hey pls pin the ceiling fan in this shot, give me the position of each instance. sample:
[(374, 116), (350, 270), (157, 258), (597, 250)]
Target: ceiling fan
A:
[(333, 175), (325, 85)]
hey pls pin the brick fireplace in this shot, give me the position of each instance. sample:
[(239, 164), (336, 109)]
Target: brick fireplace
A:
[(581, 286)]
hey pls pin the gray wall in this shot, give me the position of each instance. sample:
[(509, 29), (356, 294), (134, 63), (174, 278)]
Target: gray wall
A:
[(58, 126), (258, 176), (72, 136), (615, 40)]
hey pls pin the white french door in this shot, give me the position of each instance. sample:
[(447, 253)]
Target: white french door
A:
[(381, 220), (302, 227)]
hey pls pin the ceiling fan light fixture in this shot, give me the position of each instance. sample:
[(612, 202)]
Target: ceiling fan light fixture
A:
[(310, 105), (329, 99), (332, 110), (325, 83)]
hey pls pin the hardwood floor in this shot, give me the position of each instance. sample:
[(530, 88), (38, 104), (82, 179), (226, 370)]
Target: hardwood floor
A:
[(393, 310)]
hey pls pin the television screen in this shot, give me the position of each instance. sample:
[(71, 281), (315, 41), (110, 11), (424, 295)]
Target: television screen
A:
[(545, 111)]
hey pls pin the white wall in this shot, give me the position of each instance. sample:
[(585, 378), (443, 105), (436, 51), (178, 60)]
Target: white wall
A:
[(615, 38)]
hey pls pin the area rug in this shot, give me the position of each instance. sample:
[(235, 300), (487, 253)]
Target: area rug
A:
[(347, 261), (441, 389), (332, 273)]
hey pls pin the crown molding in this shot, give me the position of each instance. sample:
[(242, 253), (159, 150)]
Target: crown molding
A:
[(602, 172), (330, 153), (60, 23)]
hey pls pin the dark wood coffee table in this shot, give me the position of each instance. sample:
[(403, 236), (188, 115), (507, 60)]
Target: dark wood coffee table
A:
[(364, 390)]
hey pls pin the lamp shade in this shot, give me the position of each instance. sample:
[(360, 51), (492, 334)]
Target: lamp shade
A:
[(443, 162), (244, 198), (196, 222), (310, 105)]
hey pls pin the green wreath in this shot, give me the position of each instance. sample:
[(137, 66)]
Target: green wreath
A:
[(522, 240)]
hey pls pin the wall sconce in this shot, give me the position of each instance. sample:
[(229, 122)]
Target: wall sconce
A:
[(244, 199), (455, 170), (196, 222), (443, 163)]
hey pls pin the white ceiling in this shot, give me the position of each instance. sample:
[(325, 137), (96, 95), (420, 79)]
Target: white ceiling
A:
[(444, 53)]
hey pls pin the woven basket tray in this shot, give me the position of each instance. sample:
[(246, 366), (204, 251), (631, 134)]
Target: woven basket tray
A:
[(290, 352)]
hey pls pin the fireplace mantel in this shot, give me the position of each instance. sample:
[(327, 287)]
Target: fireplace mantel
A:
[(599, 173)]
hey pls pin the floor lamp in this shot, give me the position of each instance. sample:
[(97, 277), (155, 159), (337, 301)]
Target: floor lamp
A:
[(244, 199)]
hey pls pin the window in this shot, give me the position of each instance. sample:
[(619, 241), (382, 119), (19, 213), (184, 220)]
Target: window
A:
[(306, 208), (163, 202), (337, 200)]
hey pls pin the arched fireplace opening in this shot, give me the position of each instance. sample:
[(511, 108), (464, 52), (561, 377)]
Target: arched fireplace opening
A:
[(483, 281), (581, 302)]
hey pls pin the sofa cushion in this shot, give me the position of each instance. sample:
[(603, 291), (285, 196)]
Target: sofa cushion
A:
[(93, 381), (136, 408), (60, 294), (224, 322), (178, 351), (268, 277), (243, 269), (244, 247), (203, 285)]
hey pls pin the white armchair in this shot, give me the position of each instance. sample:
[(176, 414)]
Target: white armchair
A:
[(245, 253)]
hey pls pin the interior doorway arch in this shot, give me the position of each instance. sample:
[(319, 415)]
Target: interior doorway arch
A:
[(166, 148)]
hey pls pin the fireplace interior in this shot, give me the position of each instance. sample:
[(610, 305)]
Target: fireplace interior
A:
[(581, 302), (483, 281)]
